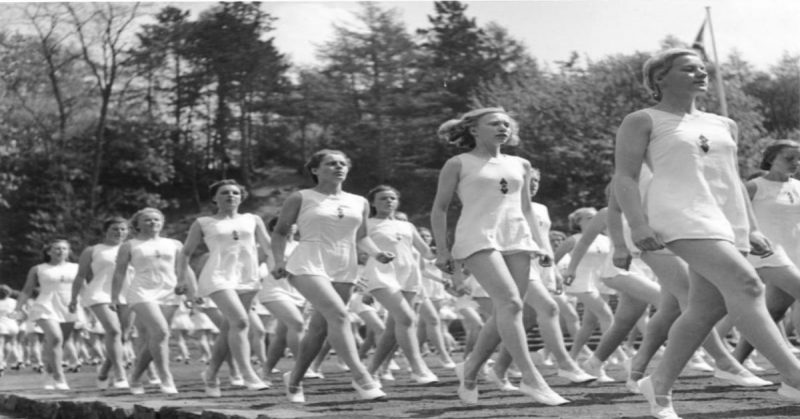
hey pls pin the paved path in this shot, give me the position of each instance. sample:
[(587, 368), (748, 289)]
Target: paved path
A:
[(698, 395)]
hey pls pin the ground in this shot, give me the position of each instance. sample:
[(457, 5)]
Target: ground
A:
[(697, 395)]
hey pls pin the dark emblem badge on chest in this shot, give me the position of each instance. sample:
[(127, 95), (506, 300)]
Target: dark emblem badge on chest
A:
[(703, 143), (503, 186), (340, 212)]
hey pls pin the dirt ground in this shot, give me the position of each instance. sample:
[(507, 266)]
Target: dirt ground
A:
[(697, 395)]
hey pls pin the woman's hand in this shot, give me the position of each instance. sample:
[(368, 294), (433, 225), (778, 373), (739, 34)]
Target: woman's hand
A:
[(279, 271), (73, 306), (622, 257), (569, 276), (444, 262), (646, 239), (760, 244), (545, 259)]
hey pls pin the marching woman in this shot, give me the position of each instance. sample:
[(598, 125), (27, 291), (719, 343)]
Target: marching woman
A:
[(150, 294), (229, 277), (396, 283), (324, 266), (775, 198), (286, 304), (696, 205), (50, 310), (93, 283), (495, 238)]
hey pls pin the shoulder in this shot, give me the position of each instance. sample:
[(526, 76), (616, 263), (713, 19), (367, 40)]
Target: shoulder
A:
[(88, 252), (643, 118)]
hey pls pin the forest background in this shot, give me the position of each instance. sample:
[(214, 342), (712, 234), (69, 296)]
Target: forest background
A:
[(100, 116)]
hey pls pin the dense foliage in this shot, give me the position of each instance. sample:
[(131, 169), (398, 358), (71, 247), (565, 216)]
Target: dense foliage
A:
[(102, 116)]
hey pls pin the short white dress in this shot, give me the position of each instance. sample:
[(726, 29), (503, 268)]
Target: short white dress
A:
[(776, 206), (154, 278), (546, 274), (432, 280), (403, 272), (695, 192), (491, 215), (278, 289), (233, 259), (98, 289), (8, 325), (55, 292), (328, 225), (590, 268)]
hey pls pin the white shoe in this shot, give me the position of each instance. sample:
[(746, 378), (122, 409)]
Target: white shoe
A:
[(297, 396), (61, 385), (752, 366), (578, 376), (742, 379), (313, 374), (121, 384), (789, 392), (656, 410), (238, 381), (447, 365), (393, 365), (103, 384), (466, 395), (547, 396), (632, 386), (257, 385), (168, 389), (502, 383), (426, 378), (367, 394), (697, 363), (597, 371), (387, 375), (211, 390)]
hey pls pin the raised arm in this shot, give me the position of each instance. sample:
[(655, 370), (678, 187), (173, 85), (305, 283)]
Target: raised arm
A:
[(445, 189)]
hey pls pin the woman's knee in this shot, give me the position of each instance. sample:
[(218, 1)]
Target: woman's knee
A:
[(511, 306)]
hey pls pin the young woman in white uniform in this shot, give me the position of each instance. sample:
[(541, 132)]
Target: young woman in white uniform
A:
[(324, 266), (494, 238), (93, 284), (696, 205)]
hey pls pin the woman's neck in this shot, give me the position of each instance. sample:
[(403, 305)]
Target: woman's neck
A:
[(147, 235), (112, 242), (777, 176), (486, 151), (227, 212), (679, 105), (329, 188), (384, 216)]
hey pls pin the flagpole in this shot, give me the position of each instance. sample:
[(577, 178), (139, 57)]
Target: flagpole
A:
[(723, 103)]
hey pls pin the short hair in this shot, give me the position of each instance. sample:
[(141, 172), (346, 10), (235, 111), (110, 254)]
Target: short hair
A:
[(375, 191), (271, 224), (659, 64), (49, 245), (456, 131), (772, 151), (220, 183), (316, 159), (141, 212), (110, 221), (578, 214)]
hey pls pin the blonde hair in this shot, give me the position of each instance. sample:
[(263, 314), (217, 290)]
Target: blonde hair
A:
[(143, 211), (575, 217), (457, 131), (659, 64)]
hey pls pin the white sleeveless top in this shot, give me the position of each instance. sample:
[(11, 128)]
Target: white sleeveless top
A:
[(546, 274), (776, 206), (491, 216), (695, 192), (154, 278), (403, 271), (327, 226), (98, 289), (233, 259), (55, 292)]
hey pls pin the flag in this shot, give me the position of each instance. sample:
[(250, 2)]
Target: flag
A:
[(699, 44)]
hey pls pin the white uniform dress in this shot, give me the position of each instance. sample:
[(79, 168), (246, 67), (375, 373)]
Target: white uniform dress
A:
[(327, 226), (279, 289), (538, 272), (233, 259), (491, 216), (98, 289), (55, 292), (776, 206), (695, 192), (432, 280), (8, 325), (154, 277), (403, 272), (587, 275)]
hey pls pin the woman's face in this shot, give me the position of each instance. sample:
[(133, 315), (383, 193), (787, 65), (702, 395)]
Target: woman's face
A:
[(535, 178), (492, 129), (426, 236), (228, 196), (385, 202), (117, 232), (687, 74), (150, 222), (556, 240), (59, 251), (333, 167), (787, 161)]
